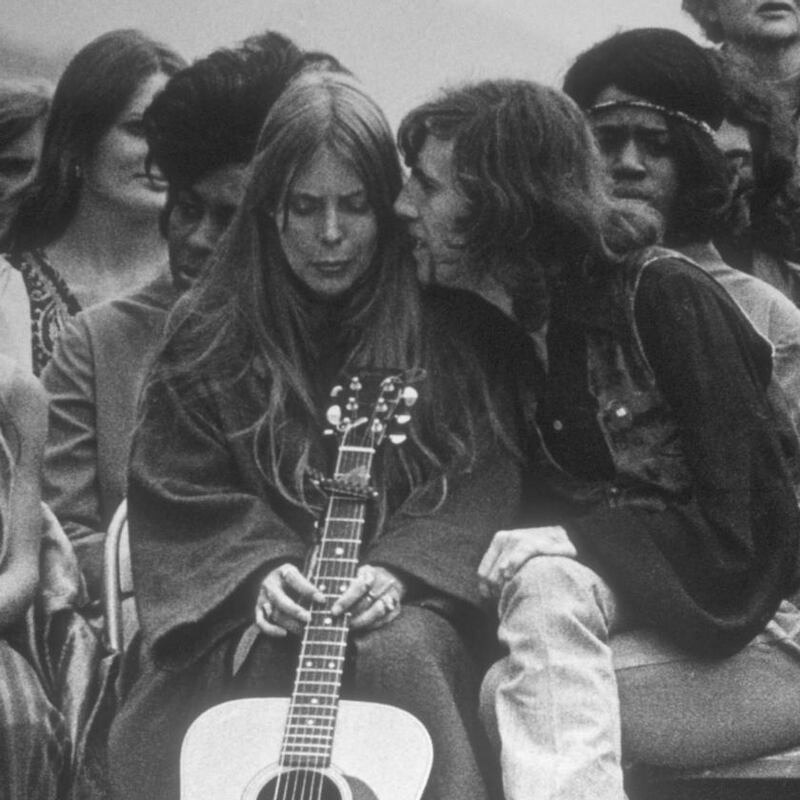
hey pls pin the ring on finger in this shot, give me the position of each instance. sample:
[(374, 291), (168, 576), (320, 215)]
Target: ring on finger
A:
[(389, 602)]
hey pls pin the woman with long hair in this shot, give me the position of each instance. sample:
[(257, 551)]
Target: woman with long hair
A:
[(643, 607), (312, 279), (88, 231)]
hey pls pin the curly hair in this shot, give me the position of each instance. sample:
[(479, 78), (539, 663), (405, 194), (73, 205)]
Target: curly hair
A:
[(667, 68)]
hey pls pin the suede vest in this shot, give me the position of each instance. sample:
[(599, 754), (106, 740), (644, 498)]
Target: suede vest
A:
[(634, 417)]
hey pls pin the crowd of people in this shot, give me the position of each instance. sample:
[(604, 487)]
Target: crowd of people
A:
[(584, 557)]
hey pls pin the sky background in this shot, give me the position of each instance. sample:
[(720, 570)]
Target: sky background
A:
[(403, 50)]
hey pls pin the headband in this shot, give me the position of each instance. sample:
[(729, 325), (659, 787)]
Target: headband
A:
[(667, 112)]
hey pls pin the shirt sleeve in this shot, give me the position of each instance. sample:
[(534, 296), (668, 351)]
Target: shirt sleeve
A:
[(711, 570), (71, 486)]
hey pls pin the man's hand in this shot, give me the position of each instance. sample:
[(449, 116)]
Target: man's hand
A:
[(509, 550)]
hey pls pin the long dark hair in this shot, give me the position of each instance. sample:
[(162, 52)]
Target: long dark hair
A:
[(248, 324), (94, 89)]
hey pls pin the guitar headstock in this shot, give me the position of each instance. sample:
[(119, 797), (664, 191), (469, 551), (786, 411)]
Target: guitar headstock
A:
[(368, 408)]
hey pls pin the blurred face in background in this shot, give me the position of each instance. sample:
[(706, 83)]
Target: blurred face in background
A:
[(757, 22), (18, 163), (117, 173), (199, 216)]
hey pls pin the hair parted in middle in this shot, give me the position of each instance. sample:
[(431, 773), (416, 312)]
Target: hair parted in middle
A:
[(250, 330), (526, 161), (97, 84)]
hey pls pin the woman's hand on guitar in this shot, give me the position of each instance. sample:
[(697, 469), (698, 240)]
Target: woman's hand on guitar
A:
[(277, 610), (373, 598)]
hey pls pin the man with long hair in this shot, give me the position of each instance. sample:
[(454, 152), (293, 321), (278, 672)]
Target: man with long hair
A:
[(662, 538)]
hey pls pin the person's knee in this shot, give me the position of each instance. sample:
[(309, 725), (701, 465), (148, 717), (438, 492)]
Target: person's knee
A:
[(551, 579)]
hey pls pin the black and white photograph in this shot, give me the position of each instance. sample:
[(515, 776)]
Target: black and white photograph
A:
[(400, 400)]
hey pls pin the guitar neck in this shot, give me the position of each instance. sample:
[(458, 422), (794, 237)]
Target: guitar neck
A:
[(308, 736)]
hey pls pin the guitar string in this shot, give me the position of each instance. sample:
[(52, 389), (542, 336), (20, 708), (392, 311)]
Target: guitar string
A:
[(352, 526), (334, 654)]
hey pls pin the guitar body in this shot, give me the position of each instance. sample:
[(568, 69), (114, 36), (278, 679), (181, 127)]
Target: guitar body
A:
[(313, 746), (231, 752)]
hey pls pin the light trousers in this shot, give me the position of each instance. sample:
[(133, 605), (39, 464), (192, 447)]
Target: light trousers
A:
[(581, 689)]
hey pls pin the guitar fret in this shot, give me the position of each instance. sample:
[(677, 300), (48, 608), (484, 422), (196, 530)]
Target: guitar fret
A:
[(322, 657), (335, 670), (309, 731), (310, 682), (300, 748), (335, 540), (324, 628)]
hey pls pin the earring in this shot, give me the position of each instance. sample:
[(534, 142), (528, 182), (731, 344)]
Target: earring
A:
[(77, 172)]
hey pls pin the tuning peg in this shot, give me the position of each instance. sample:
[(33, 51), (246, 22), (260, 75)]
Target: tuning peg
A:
[(336, 391), (355, 384), (409, 395), (397, 438), (334, 415), (402, 418)]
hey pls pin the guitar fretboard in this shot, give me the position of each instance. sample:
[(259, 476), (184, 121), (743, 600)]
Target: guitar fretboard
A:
[(308, 736)]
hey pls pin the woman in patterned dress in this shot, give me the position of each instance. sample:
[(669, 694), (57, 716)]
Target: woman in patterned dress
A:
[(89, 229)]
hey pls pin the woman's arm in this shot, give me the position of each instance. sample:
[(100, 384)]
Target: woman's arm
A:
[(24, 414), (71, 481)]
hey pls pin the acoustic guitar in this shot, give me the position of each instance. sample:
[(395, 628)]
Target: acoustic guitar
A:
[(314, 746)]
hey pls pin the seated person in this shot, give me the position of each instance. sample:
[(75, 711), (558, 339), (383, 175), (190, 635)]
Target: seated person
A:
[(312, 279), (759, 139), (24, 105), (23, 111), (643, 610), (35, 748), (653, 100), (100, 362), (87, 231)]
